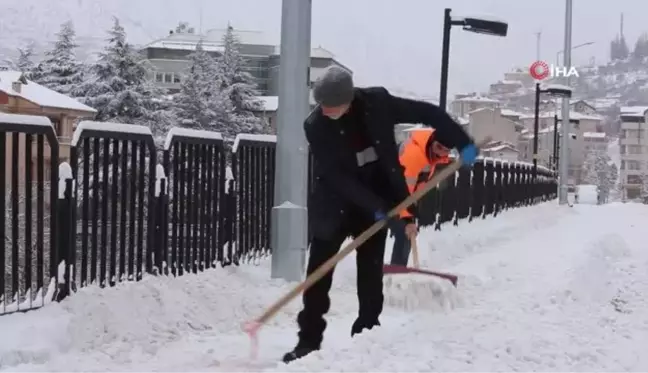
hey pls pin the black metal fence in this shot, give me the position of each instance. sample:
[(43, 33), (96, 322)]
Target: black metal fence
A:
[(122, 208)]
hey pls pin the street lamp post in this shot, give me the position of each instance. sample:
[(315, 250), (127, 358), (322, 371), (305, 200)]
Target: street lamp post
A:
[(565, 123), (476, 25), (288, 225), (555, 143), (554, 90)]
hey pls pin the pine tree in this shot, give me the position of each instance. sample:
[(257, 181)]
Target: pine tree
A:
[(240, 86), (60, 71), (624, 51), (200, 103), (120, 89), (25, 62), (641, 47), (614, 49)]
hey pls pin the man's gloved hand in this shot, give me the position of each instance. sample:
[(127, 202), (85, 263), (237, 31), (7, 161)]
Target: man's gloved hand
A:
[(379, 215), (469, 154), (396, 224)]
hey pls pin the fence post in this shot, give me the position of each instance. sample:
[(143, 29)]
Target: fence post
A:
[(161, 226), (66, 243)]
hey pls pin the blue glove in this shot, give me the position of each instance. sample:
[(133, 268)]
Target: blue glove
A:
[(469, 154), (379, 215)]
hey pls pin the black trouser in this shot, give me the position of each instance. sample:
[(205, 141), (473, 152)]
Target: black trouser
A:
[(401, 248), (369, 262)]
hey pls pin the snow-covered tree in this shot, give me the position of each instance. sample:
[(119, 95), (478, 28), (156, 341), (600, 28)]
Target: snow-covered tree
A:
[(240, 86), (644, 183), (200, 103), (120, 88), (596, 171), (613, 175), (25, 61), (60, 70), (641, 46)]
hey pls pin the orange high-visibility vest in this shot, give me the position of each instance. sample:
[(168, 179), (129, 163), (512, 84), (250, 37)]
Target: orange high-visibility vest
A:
[(413, 157)]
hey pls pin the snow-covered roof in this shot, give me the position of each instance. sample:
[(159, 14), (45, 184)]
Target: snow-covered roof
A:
[(578, 116), (476, 98), (573, 115), (479, 110), (212, 41), (597, 135), (39, 94), (499, 148), (634, 110), (510, 113)]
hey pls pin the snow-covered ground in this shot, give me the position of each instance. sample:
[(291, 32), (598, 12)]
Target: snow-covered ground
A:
[(543, 288)]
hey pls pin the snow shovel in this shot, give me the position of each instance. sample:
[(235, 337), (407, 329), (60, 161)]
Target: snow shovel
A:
[(393, 269), (252, 327), (412, 287)]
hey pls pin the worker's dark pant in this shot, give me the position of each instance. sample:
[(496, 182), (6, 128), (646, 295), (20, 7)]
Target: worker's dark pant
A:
[(402, 247), (369, 262)]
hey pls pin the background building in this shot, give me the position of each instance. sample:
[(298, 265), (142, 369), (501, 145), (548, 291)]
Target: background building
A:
[(22, 96), (169, 57), (633, 151)]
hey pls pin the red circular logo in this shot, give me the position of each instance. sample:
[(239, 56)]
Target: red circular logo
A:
[(539, 70)]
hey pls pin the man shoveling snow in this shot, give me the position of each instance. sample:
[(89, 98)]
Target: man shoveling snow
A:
[(358, 178)]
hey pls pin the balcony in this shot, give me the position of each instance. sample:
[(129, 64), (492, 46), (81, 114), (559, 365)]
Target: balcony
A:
[(633, 126), (633, 141)]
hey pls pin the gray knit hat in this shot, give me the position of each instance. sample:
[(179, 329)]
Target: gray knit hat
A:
[(334, 88)]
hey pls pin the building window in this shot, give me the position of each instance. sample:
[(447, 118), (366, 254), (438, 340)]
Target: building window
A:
[(634, 179), (176, 78), (634, 149), (631, 165), (159, 77), (168, 77)]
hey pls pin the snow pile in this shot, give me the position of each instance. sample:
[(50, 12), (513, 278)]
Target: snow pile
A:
[(545, 288), (568, 296)]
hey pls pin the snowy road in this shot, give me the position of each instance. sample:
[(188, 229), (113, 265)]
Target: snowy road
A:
[(543, 288)]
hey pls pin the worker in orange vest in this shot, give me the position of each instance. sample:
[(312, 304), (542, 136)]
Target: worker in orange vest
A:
[(419, 155)]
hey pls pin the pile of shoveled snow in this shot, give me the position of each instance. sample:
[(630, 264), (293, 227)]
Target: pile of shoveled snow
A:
[(545, 288)]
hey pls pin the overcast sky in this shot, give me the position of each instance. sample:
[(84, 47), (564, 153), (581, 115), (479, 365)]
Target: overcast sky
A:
[(385, 42)]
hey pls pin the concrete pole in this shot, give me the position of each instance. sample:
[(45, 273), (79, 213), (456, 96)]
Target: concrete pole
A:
[(289, 218), (565, 124)]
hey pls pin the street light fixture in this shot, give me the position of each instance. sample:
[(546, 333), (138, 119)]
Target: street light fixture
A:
[(574, 47), (472, 24), (554, 90)]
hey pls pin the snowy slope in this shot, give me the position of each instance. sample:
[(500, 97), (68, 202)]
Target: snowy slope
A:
[(544, 288)]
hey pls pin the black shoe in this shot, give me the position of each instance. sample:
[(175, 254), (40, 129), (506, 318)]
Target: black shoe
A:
[(359, 326), (297, 353)]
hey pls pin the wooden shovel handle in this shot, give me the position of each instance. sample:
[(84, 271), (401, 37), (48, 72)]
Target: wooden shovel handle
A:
[(415, 257)]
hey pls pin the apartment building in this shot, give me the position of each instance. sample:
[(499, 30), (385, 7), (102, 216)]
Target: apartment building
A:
[(633, 150), (464, 104), (489, 122), (583, 107), (169, 57), (22, 96)]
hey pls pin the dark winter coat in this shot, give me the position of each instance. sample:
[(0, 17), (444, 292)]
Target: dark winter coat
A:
[(336, 191)]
